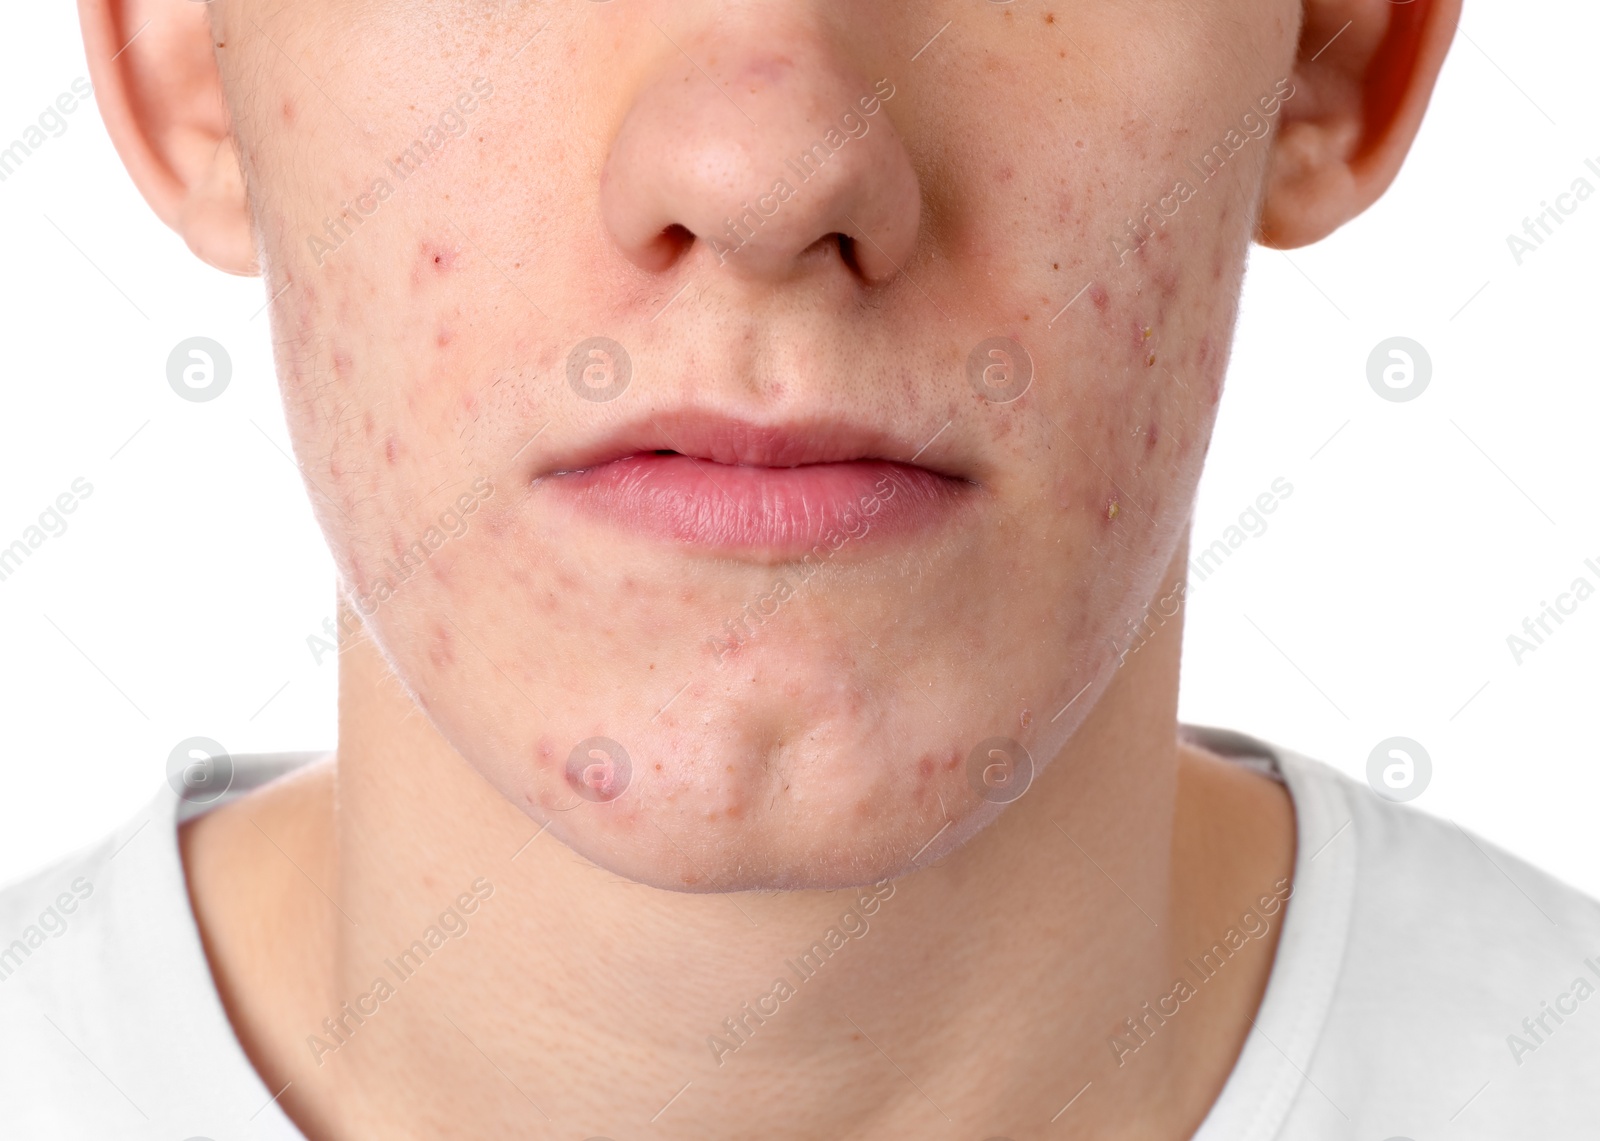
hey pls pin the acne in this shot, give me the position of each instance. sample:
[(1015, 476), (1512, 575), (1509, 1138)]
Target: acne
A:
[(435, 260), (442, 651)]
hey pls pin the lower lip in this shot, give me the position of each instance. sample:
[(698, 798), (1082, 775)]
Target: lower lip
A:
[(779, 511)]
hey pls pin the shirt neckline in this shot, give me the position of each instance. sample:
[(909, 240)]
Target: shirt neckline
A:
[(1269, 1074)]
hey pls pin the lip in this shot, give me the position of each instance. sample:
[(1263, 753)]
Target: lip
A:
[(775, 490)]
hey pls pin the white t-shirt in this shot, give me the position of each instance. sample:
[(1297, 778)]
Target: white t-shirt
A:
[(1410, 956)]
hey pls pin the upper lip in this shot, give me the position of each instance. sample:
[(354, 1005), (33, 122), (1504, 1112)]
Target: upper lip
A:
[(720, 438)]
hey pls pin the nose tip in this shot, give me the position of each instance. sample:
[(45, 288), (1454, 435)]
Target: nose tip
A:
[(768, 161)]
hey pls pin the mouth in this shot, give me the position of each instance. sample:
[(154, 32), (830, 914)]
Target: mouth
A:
[(776, 491)]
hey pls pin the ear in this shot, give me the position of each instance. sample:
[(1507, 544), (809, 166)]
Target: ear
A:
[(1364, 73), (157, 85)]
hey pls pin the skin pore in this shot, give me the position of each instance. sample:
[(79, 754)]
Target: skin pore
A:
[(446, 203)]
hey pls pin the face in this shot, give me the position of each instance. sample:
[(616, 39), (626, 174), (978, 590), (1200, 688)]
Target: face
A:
[(730, 419)]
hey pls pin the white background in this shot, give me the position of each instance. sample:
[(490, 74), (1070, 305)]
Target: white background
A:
[(1377, 604)]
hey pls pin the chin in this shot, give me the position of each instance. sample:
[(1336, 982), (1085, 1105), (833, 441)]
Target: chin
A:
[(758, 809)]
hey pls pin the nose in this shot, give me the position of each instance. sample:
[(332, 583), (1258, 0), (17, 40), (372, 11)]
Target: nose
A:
[(767, 159)]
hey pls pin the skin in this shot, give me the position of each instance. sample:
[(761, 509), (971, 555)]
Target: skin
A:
[(423, 356)]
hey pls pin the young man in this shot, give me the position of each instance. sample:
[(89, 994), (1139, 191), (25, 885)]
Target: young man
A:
[(758, 441)]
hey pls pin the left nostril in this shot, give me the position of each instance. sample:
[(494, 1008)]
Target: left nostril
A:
[(847, 253)]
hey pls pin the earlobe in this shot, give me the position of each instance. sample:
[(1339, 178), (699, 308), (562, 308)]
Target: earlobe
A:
[(160, 94), (1364, 72)]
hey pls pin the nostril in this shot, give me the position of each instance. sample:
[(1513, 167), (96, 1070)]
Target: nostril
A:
[(847, 253), (677, 238), (665, 249)]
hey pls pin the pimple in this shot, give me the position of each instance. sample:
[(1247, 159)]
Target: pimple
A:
[(434, 260), (391, 450), (1152, 436), (343, 363), (443, 652), (288, 111), (1100, 297), (444, 336)]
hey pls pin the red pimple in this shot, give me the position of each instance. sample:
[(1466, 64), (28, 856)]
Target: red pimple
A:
[(443, 653), (1100, 297), (432, 258)]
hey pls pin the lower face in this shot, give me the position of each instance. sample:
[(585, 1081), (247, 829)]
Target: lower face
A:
[(734, 571)]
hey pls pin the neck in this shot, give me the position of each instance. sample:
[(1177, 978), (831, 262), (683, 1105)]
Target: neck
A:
[(474, 971)]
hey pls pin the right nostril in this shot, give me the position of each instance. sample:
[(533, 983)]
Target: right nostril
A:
[(677, 237), (666, 247)]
